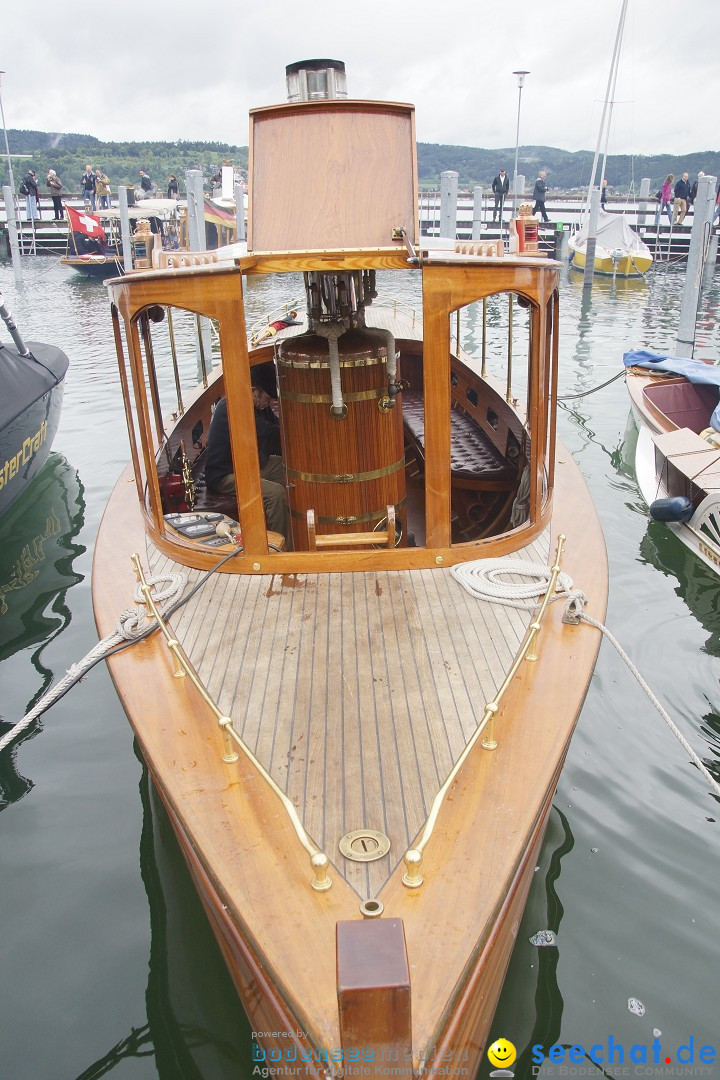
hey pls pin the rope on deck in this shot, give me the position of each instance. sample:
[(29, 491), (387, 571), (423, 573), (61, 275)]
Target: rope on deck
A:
[(480, 579)]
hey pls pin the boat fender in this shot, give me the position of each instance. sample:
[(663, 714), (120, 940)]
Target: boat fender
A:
[(678, 508)]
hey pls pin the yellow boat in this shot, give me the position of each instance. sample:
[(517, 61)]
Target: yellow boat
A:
[(619, 250)]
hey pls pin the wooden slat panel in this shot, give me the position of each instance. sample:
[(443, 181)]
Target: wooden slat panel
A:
[(331, 174)]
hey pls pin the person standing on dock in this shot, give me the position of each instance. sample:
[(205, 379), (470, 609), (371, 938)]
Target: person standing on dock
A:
[(539, 193), (173, 189), (29, 189), (603, 194), (146, 184), (663, 197), (693, 190), (54, 186), (102, 189), (87, 183), (500, 187), (682, 195)]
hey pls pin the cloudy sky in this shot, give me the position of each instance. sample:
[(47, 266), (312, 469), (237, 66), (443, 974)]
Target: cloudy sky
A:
[(191, 70)]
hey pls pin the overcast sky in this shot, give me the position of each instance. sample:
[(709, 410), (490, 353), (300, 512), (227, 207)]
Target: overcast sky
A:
[(191, 70)]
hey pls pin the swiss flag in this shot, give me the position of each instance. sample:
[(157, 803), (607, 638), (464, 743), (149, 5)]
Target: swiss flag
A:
[(84, 223)]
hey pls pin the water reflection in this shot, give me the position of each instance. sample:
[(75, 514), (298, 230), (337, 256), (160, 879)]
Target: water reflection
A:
[(539, 1020), (195, 1028), (697, 584), (37, 552)]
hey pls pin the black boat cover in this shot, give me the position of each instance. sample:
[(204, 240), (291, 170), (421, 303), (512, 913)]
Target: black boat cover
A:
[(24, 379)]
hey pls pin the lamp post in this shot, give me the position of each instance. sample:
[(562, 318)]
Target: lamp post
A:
[(520, 81), (7, 147)]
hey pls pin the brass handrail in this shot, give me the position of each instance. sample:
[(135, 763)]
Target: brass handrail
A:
[(412, 877), (319, 862)]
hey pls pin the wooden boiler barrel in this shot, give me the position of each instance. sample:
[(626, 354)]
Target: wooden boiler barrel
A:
[(347, 470)]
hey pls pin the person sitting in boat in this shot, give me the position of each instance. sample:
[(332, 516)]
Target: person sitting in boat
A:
[(219, 476), (80, 243), (272, 328)]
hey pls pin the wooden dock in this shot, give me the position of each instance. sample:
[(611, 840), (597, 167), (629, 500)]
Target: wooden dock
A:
[(667, 244)]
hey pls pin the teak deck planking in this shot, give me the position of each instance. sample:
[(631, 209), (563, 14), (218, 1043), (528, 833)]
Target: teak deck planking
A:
[(357, 692)]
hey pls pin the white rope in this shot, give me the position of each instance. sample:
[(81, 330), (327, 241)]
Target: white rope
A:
[(131, 624), (483, 579), (666, 717)]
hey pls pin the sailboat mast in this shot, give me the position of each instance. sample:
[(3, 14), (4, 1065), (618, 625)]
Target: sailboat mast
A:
[(609, 95)]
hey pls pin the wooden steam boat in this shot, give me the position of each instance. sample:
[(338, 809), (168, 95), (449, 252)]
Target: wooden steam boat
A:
[(358, 756)]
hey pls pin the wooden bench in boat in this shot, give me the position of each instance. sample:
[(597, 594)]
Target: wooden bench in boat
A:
[(474, 460), (476, 464)]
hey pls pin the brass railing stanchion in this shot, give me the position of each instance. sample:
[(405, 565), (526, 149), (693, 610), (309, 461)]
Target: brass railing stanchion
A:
[(231, 753), (531, 655), (412, 876), (489, 742), (173, 645), (321, 879)]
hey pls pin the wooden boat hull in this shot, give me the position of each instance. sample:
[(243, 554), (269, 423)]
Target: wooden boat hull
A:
[(277, 935), (96, 266)]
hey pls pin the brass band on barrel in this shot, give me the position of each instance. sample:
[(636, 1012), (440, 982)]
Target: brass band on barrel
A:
[(346, 478), (326, 399), (374, 515), (361, 361)]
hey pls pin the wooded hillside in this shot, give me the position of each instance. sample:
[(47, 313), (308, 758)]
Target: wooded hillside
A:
[(69, 153)]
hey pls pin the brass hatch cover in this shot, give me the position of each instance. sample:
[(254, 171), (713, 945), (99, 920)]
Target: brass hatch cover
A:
[(364, 845)]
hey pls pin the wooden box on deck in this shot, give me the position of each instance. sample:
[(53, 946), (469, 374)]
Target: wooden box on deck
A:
[(331, 174)]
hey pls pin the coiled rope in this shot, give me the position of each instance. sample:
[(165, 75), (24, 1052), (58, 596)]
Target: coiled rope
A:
[(133, 624), (482, 580)]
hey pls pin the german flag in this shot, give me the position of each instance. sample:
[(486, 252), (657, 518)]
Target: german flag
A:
[(219, 215)]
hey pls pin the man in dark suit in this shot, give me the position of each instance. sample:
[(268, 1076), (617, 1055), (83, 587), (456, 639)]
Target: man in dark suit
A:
[(539, 193), (500, 187)]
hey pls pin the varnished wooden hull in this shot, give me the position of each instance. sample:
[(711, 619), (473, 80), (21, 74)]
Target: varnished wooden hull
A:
[(277, 935)]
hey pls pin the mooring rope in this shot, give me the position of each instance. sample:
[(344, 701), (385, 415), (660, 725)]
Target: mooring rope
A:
[(133, 623), (585, 393), (664, 714), (481, 579)]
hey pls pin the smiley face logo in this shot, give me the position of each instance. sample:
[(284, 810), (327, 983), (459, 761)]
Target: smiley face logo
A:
[(501, 1054)]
